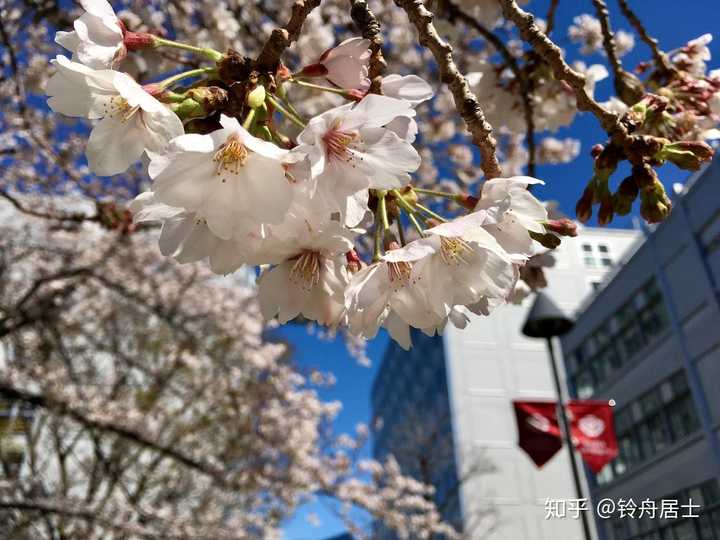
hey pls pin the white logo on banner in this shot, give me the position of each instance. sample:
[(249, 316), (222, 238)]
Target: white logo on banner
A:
[(591, 426)]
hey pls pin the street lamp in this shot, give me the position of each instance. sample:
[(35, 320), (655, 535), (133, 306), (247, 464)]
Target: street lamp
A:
[(546, 320)]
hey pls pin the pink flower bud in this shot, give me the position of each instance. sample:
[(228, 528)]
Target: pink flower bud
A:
[(583, 208), (563, 227), (137, 41)]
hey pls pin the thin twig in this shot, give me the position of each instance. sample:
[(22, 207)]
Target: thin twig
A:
[(282, 38), (627, 87), (553, 55), (74, 217), (603, 15), (550, 17), (465, 101), (369, 26), (661, 59), (525, 86)]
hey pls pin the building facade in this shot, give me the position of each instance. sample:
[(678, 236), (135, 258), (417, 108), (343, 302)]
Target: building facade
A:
[(467, 379), (650, 340)]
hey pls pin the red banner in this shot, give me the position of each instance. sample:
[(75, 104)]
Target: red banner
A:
[(538, 429), (593, 432)]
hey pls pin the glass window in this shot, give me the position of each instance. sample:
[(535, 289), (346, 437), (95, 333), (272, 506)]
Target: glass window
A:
[(666, 391), (584, 384), (682, 417), (587, 248), (607, 263), (650, 402), (654, 436), (653, 320), (602, 248), (685, 531), (605, 475), (711, 493), (631, 341), (679, 383), (590, 262)]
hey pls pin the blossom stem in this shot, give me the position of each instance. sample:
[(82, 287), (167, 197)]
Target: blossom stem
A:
[(430, 212), (415, 223), (378, 238), (249, 119), (402, 202), (290, 116), (184, 75), (339, 91), (382, 208), (207, 52), (435, 193), (401, 231)]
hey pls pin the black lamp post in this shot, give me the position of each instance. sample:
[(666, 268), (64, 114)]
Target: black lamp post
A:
[(546, 320)]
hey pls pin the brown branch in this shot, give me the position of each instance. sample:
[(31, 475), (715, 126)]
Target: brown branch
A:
[(61, 408), (62, 508), (454, 12), (73, 217), (367, 23), (552, 54), (465, 101), (627, 86), (14, 66), (282, 38), (661, 59), (608, 39), (550, 18)]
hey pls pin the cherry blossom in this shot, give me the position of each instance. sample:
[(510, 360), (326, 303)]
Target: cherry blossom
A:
[(351, 149), (131, 120), (310, 278), (230, 179), (512, 213), (187, 238), (97, 40), (387, 293), (460, 263), (345, 65)]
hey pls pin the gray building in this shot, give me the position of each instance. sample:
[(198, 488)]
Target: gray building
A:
[(649, 338), (446, 414), (413, 422)]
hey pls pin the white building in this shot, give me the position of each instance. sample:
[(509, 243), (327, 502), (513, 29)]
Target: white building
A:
[(481, 369)]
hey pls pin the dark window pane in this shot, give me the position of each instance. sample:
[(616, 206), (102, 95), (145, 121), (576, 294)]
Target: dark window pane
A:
[(682, 416)]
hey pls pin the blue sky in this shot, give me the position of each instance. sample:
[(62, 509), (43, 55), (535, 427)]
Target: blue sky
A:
[(673, 23)]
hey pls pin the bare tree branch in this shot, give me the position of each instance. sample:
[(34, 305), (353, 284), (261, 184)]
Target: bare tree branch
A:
[(661, 59), (282, 38), (465, 101), (627, 86), (553, 55), (525, 87), (369, 26)]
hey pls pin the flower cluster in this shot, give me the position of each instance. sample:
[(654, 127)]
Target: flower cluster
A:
[(243, 192), (586, 31), (679, 112)]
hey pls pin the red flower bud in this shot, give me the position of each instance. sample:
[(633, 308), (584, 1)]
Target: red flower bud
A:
[(583, 208), (137, 41), (548, 240), (314, 70), (607, 210), (563, 227), (467, 201)]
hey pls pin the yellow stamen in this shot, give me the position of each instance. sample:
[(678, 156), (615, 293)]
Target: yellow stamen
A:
[(452, 250), (231, 156), (305, 273), (119, 106), (337, 142)]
